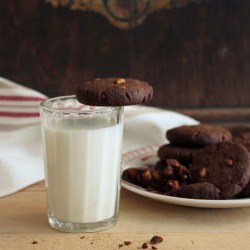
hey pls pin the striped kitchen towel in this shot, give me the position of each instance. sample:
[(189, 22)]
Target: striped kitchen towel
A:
[(18, 105), (21, 161)]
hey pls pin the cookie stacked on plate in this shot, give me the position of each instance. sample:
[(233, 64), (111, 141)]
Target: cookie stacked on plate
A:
[(217, 166)]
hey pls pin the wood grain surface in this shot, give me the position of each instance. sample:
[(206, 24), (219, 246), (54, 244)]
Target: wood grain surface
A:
[(23, 225), (197, 56)]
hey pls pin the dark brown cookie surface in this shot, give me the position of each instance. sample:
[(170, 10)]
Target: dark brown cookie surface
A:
[(180, 153), (198, 135), (226, 165), (114, 92), (200, 190), (243, 138)]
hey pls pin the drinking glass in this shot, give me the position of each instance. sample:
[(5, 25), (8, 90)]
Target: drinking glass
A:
[(82, 162)]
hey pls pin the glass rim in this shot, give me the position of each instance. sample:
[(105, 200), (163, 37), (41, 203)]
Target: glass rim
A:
[(44, 105)]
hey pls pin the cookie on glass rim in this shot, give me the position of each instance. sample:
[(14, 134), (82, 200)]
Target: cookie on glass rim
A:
[(114, 92)]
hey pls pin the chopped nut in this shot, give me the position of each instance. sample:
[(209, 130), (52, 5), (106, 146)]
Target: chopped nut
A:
[(120, 245), (144, 245), (156, 239), (229, 162), (203, 172), (174, 184), (147, 175), (120, 81), (132, 172), (156, 175), (153, 247), (34, 242)]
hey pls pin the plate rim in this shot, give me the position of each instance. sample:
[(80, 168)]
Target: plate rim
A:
[(201, 203)]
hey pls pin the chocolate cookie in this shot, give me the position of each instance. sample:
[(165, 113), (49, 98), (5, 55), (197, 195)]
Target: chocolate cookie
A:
[(182, 154), (200, 190), (198, 135), (226, 165), (114, 92), (243, 138)]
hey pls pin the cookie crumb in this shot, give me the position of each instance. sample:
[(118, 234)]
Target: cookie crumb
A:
[(82, 237), (127, 243), (34, 242), (153, 247), (144, 245), (156, 239), (120, 245)]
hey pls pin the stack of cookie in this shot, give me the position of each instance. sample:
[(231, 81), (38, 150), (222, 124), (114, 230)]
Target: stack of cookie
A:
[(215, 165)]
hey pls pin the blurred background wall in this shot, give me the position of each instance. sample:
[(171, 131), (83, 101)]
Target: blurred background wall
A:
[(196, 54)]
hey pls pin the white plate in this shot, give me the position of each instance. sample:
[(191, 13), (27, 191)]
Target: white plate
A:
[(147, 155)]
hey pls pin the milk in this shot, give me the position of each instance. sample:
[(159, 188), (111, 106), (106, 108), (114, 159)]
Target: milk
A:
[(82, 168)]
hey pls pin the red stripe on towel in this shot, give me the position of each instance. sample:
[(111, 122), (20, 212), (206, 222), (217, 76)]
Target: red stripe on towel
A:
[(18, 114), (21, 98)]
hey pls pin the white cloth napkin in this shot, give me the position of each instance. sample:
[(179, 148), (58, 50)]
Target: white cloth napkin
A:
[(20, 141), (21, 157)]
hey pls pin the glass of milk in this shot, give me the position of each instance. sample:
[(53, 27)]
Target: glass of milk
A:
[(82, 158)]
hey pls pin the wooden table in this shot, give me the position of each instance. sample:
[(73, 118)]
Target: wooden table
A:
[(23, 225)]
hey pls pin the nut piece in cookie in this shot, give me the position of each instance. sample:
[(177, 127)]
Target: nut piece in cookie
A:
[(114, 92), (199, 190), (226, 165), (198, 135)]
